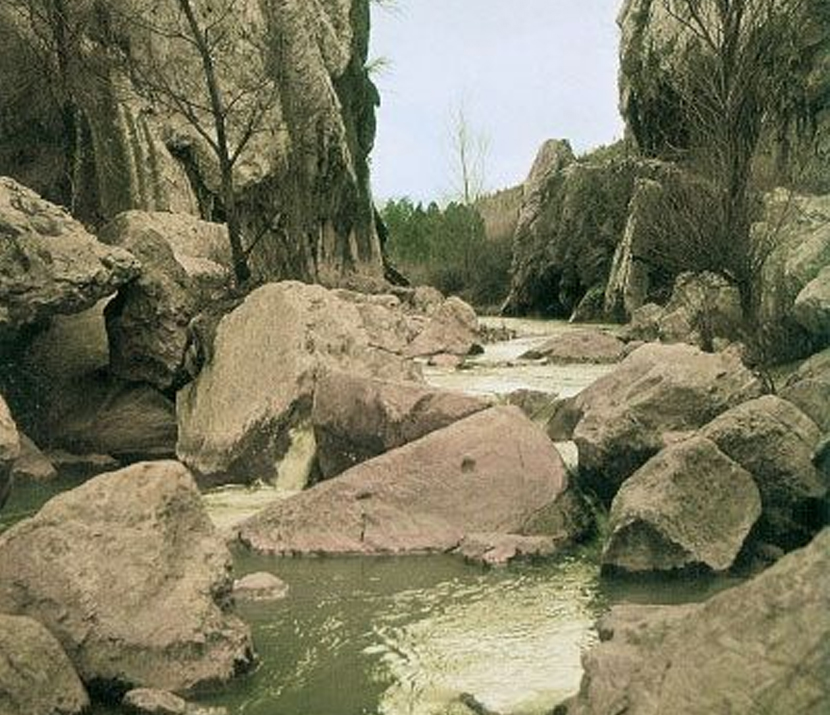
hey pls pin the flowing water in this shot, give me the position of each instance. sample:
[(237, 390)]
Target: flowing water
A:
[(407, 635)]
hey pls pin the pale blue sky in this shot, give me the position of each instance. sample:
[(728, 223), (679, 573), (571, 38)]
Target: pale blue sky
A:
[(525, 71)]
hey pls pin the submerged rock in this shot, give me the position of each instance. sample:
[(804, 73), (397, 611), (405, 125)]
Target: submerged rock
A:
[(761, 647), (268, 354), (146, 701), (502, 549), (49, 264), (775, 442), (357, 418), (688, 506), (490, 472), (657, 393), (259, 586), (130, 575), (36, 676)]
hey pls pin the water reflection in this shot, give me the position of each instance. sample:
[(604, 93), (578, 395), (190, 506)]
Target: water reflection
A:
[(407, 635)]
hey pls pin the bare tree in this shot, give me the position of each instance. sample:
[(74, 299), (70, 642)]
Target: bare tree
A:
[(740, 73), (206, 62), (469, 156)]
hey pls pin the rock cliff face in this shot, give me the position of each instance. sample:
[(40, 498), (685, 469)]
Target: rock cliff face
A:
[(573, 215), (651, 49), (101, 140)]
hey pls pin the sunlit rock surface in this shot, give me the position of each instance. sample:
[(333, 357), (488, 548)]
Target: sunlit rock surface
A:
[(491, 472), (761, 647), (131, 577), (35, 675)]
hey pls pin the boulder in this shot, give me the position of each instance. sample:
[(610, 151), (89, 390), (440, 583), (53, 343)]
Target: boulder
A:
[(490, 472), (49, 263), (644, 324), (536, 404), (147, 701), (704, 310), (9, 450), (775, 442), (503, 549), (579, 346), (259, 587), (147, 322), (703, 307), (267, 356), (452, 329), (32, 464), (688, 506), (130, 575), (657, 393), (797, 227), (105, 415), (809, 389), (356, 418), (812, 306), (36, 677), (761, 647)]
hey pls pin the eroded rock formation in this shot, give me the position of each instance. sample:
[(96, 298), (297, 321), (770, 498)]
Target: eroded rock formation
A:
[(110, 141)]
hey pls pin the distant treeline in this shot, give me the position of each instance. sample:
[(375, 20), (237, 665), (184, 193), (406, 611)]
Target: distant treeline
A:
[(450, 249)]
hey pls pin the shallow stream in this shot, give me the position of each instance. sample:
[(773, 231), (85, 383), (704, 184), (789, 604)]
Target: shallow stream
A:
[(407, 635)]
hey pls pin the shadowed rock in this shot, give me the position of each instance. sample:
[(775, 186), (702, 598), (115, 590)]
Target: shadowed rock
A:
[(357, 418), (9, 450), (688, 506)]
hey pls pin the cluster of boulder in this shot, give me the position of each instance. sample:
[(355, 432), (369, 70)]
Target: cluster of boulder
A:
[(131, 345), (697, 465)]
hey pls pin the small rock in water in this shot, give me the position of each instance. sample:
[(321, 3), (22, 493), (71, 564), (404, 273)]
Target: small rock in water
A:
[(147, 701), (446, 360), (502, 549), (32, 464), (260, 587)]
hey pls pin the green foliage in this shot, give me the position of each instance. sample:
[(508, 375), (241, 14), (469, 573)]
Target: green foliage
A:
[(447, 248)]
